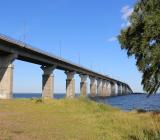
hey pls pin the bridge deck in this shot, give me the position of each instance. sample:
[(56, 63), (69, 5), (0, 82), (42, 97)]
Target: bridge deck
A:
[(28, 53)]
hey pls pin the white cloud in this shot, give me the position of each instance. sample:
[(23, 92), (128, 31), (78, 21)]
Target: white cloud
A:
[(126, 12), (112, 39)]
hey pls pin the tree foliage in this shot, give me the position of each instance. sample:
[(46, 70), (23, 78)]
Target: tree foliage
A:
[(142, 40)]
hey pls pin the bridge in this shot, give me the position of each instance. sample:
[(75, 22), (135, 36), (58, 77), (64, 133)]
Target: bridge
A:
[(11, 49)]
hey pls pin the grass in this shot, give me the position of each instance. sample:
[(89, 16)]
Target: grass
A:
[(74, 119)]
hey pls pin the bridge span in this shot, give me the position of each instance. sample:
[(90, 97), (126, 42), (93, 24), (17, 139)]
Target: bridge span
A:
[(11, 49)]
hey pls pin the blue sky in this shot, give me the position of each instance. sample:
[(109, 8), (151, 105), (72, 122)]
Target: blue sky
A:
[(85, 30)]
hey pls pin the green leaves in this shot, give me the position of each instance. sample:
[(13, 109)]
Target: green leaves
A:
[(142, 40)]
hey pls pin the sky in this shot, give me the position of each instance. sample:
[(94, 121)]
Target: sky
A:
[(81, 31)]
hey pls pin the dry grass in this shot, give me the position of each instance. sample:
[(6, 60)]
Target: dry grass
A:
[(77, 119)]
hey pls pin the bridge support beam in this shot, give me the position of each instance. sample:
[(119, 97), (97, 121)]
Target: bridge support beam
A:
[(83, 85), (104, 88), (123, 89), (48, 82), (70, 84), (113, 89), (128, 92), (99, 87), (119, 89), (92, 86), (6, 76), (108, 89)]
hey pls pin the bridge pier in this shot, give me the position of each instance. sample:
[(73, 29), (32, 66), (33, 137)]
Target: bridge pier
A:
[(104, 88), (70, 84), (6, 76), (113, 89), (123, 89), (48, 82), (108, 89), (128, 90), (92, 86), (83, 85), (119, 89), (99, 87)]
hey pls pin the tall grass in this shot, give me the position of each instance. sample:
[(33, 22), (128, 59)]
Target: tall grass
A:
[(74, 119)]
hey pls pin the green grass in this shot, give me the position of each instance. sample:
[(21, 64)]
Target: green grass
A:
[(74, 119)]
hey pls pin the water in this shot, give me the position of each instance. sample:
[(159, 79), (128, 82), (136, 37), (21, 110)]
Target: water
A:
[(127, 102), (36, 95), (134, 101)]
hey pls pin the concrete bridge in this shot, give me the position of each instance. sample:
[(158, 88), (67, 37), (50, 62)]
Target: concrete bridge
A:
[(10, 50)]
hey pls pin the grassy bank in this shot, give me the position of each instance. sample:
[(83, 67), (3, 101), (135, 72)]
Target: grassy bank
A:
[(78, 119)]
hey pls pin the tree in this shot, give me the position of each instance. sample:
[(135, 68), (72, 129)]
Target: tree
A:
[(142, 40)]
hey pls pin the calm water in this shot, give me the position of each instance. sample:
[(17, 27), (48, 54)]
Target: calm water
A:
[(128, 102)]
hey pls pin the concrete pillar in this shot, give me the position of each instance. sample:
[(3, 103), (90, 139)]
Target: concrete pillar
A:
[(113, 89), (99, 87), (6, 76), (48, 82), (104, 88), (123, 90), (119, 89), (108, 89), (128, 91), (125, 87), (70, 84), (83, 85), (92, 86)]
